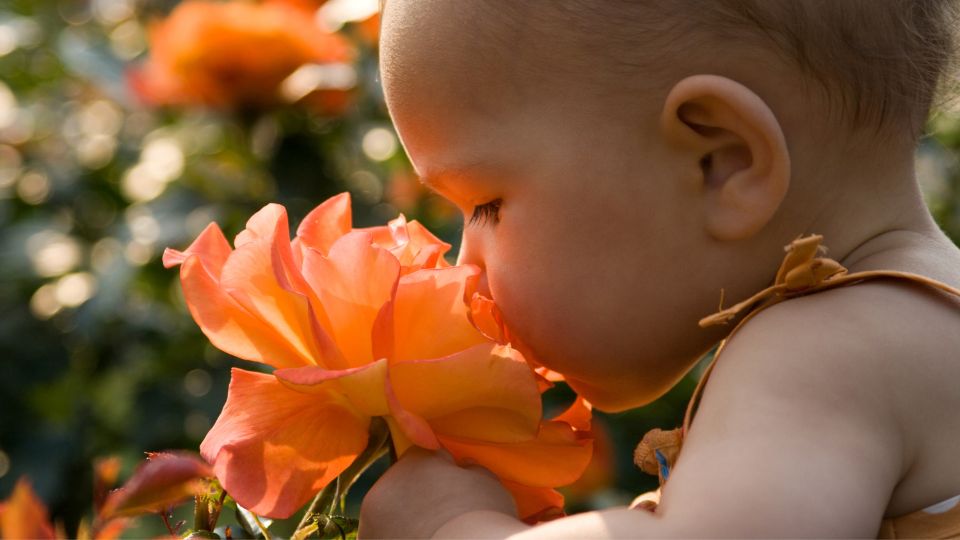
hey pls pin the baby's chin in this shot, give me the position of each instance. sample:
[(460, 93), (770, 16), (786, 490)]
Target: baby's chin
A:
[(614, 397), (613, 394)]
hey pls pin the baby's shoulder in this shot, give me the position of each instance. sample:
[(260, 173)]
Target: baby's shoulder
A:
[(882, 352), (880, 323), (880, 331), (839, 342)]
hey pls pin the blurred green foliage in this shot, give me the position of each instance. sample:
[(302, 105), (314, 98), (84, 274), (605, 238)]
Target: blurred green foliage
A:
[(98, 354)]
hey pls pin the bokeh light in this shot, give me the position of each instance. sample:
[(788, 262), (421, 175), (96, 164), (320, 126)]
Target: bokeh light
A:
[(53, 253), (380, 144)]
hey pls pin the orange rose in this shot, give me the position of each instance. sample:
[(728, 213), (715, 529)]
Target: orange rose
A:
[(24, 515), (237, 55), (369, 30), (359, 324)]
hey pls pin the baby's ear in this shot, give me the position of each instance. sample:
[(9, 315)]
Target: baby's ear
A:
[(739, 147)]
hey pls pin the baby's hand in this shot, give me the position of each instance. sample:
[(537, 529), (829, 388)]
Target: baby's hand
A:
[(425, 490)]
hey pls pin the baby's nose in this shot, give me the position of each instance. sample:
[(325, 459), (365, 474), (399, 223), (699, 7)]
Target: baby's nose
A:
[(469, 251), (470, 254), (483, 287)]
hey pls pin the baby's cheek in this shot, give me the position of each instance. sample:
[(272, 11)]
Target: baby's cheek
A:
[(541, 316), (558, 290)]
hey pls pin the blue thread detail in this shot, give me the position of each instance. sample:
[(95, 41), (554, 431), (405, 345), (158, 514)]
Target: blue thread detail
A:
[(664, 466)]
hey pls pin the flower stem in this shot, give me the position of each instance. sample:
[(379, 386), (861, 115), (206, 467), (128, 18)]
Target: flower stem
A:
[(263, 530), (166, 522), (201, 513), (215, 514), (334, 494)]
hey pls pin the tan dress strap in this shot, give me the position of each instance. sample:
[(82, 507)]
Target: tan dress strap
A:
[(803, 271)]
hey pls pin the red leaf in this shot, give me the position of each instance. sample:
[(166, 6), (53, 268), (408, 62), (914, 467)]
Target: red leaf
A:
[(165, 479)]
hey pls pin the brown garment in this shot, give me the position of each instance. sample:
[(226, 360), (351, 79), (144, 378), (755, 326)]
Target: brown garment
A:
[(801, 273)]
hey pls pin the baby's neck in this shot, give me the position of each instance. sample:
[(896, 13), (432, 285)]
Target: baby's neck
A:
[(872, 213)]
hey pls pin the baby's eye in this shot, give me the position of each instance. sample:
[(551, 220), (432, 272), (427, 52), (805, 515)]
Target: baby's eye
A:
[(482, 213)]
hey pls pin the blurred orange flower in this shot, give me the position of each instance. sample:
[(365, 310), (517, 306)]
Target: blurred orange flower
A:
[(360, 323), (238, 55), (365, 27), (369, 30), (24, 515)]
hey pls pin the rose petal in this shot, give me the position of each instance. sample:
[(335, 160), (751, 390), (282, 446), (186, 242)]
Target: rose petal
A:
[(547, 374), (401, 443), (485, 316), (352, 283), (413, 245), (556, 457), (429, 257), (381, 234), (262, 224), (270, 225), (251, 276), (326, 223), (578, 415), (411, 426), (363, 386), (398, 231), (428, 249), (486, 392), (536, 504), (211, 247), (430, 315), (274, 448), (229, 326)]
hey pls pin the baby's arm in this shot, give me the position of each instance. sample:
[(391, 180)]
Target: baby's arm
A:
[(789, 441)]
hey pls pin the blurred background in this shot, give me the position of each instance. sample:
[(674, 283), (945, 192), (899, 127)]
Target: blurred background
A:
[(127, 126)]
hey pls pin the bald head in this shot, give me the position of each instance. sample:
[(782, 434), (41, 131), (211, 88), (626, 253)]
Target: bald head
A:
[(499, 62), (869, 65)]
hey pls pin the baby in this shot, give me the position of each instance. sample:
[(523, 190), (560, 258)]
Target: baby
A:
[(619, 163)]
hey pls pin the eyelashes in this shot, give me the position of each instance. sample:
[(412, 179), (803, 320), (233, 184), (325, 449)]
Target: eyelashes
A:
[(487, 212)]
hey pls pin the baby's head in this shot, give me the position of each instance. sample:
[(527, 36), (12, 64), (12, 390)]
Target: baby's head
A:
[(618, 162)]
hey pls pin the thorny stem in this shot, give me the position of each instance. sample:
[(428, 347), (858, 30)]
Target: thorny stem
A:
[(166, 522), (215, 515), (322, 500), (336, 492)]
